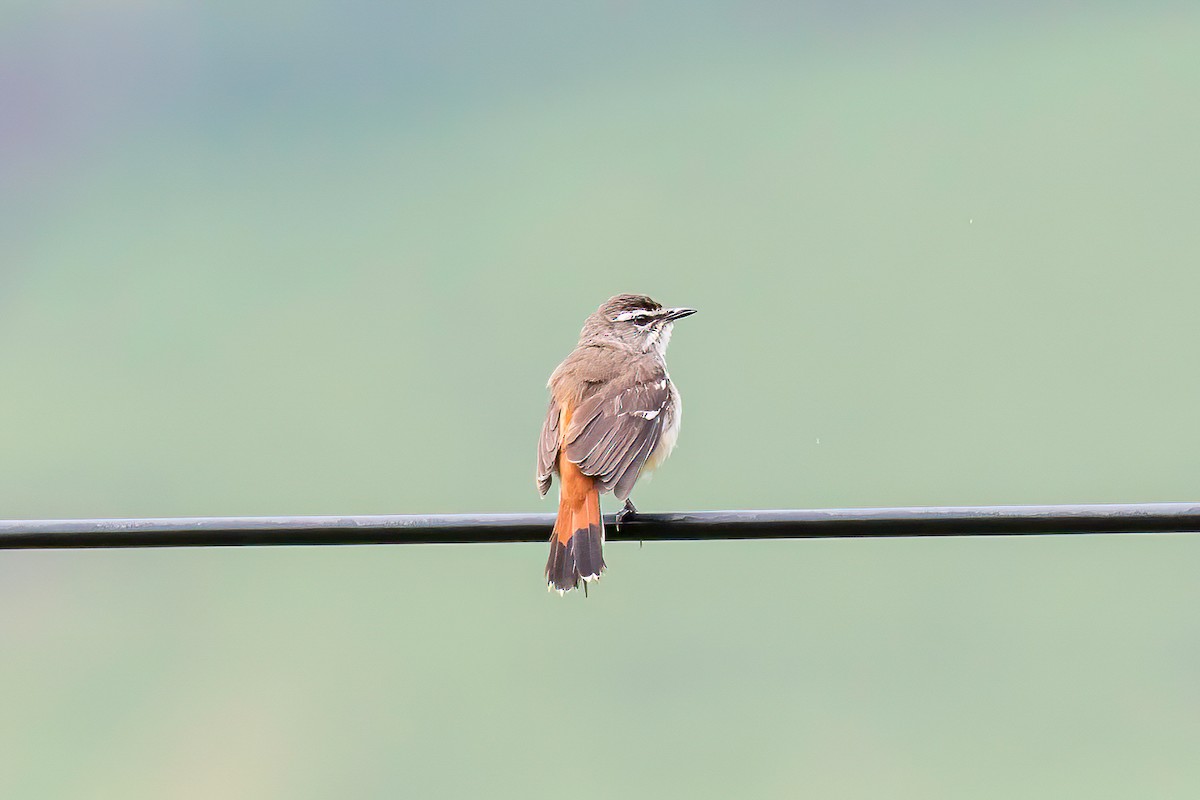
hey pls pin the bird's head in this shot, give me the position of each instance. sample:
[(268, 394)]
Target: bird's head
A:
[(635, 320)]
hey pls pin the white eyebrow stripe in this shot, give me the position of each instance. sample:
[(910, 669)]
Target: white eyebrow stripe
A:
[(625, 316)]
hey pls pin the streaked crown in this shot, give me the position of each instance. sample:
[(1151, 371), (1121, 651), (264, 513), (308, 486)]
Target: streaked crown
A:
[(626, 307)]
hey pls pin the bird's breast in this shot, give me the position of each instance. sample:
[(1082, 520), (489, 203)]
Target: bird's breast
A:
[(670, 434)]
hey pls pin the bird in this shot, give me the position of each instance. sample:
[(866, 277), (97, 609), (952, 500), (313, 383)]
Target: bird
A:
[(614, 413)]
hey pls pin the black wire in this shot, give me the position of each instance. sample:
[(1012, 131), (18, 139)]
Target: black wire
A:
[(482, 528)]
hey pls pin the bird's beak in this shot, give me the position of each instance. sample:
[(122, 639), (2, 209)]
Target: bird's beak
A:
[(679, 313)]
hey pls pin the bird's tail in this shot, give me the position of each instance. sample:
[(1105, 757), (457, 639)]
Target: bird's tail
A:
[(576, 546)]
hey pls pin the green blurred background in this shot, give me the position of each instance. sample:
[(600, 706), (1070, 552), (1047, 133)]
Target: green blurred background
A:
[(320, 258)]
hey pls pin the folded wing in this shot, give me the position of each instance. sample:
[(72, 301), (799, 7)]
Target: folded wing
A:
[(548, 448), (613, 431)]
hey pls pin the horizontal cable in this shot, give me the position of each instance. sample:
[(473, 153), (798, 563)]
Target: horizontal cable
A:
[(482, 528)]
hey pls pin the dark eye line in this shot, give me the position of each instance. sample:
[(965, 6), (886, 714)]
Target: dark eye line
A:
[(641, 318)]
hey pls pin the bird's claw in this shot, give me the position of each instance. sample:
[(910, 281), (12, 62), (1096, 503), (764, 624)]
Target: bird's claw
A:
[(625, 513)]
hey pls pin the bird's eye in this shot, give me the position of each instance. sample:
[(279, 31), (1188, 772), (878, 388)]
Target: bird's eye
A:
[(639, 318)]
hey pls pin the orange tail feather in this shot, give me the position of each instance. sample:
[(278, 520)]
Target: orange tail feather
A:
[(576, 546)]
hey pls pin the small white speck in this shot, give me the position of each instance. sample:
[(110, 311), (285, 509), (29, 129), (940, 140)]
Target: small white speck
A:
[(818, 440), (971, 222)]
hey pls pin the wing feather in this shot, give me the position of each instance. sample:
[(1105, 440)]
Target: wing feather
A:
[(624, 484), (613, 432), (548, 448)]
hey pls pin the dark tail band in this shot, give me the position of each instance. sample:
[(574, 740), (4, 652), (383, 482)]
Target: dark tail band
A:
[(580, 558)]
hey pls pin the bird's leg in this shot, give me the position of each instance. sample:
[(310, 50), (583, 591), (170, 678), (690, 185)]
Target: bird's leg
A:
[(625, 512)]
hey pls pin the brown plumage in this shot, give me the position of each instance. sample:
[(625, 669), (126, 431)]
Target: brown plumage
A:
[(612, 407)]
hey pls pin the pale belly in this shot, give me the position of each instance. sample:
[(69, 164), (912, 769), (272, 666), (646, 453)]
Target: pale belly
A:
[(670, 434)]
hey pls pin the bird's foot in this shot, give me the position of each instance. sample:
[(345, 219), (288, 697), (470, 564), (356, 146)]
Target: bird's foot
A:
[(625, 513)]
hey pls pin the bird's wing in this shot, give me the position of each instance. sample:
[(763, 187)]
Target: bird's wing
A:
[(548, 447), (613, 431)]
